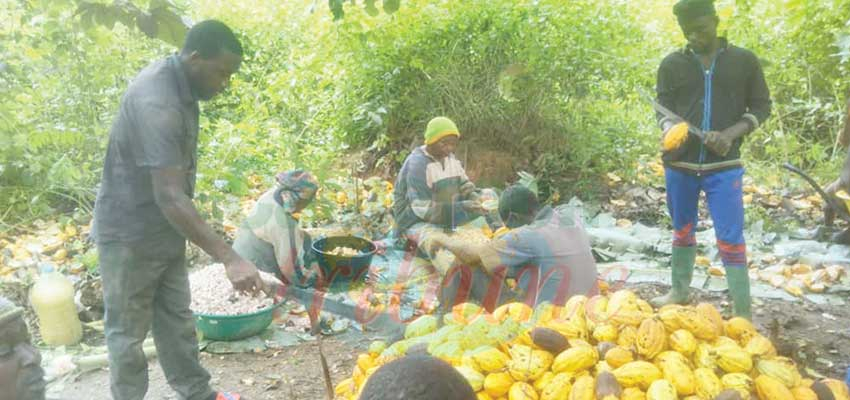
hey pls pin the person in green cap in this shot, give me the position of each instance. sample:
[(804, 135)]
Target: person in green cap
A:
[(21, 375), (721, 89), (432, 188)]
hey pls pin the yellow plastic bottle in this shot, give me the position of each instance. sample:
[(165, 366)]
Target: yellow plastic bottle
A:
[(52, 298)]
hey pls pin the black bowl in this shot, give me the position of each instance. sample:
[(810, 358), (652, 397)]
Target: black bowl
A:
[(338, 271)]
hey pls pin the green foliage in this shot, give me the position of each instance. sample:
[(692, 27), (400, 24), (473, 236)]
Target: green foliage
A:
[(549, 85), (162, 20)]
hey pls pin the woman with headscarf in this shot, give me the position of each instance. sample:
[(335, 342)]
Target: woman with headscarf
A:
[(270, 237)]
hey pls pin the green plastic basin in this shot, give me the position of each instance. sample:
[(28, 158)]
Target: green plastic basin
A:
[(234, 327)]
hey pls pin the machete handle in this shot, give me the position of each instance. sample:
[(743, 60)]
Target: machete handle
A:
[(841, 211)]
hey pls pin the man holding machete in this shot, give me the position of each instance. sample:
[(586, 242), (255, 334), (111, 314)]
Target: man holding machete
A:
[(719, 88)]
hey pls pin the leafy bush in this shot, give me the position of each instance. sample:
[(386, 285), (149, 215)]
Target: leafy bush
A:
[(550, 86)]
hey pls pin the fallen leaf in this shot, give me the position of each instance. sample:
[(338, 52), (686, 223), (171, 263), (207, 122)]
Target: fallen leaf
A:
[(624, 223), (613, 178)]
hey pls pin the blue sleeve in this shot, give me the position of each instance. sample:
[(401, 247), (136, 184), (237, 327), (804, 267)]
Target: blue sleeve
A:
[(419, 195), (513, 250)]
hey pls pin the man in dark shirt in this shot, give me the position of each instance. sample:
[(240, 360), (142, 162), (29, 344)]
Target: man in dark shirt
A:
[(719, 88), (144, 214)]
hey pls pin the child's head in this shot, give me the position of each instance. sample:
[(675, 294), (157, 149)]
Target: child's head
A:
[(417, 378)]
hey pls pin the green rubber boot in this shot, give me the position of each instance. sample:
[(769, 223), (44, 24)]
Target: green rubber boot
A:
[(682, 263), (738, 279)]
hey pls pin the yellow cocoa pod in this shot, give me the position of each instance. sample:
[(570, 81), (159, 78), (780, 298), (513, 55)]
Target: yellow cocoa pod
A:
[(473, 377), (781, 369), (597, 310), (661, 389), (605, 333), (674, 366), (683, 342), (669, 317), (365, 361), (838, 388), (489, 359), (645, 307), (527, 364), (545, 312), (622, 300), (519, 312), (558, 388), (624, 317), (522, 391), (804, 393), (466, 312), (618, 357), (579, 342), (346, 388), (708, 384), (543, 380), (633, 393), (637, 374), (770, 388), (583, 389), (483, 396), (733, 359), (576, 306), (710, 312), (675, 137), (575, 359), (498, 384), (761, 346), (359, 376), (627, 336), (724, 341), (739, 329), (651, 338), (739, 382), (573, 328), (696, 323), (703, 357)]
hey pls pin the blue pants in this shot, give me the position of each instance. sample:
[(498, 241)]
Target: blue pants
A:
[(724, 195)]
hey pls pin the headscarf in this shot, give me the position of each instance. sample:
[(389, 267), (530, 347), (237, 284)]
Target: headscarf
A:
[(688, 10), (8, 311), (439, 128), (294, 186)]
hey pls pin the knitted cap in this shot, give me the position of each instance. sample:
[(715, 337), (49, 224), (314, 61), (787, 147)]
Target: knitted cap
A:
[(439, 128)]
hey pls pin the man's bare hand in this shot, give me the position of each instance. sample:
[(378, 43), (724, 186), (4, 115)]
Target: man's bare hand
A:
[(244, 276), (719, 142)]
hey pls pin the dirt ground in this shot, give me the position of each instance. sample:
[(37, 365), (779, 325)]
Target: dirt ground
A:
[(817, 337), (293, 373)]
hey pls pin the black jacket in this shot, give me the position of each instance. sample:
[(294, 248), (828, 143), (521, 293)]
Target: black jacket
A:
[(738, 92)]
